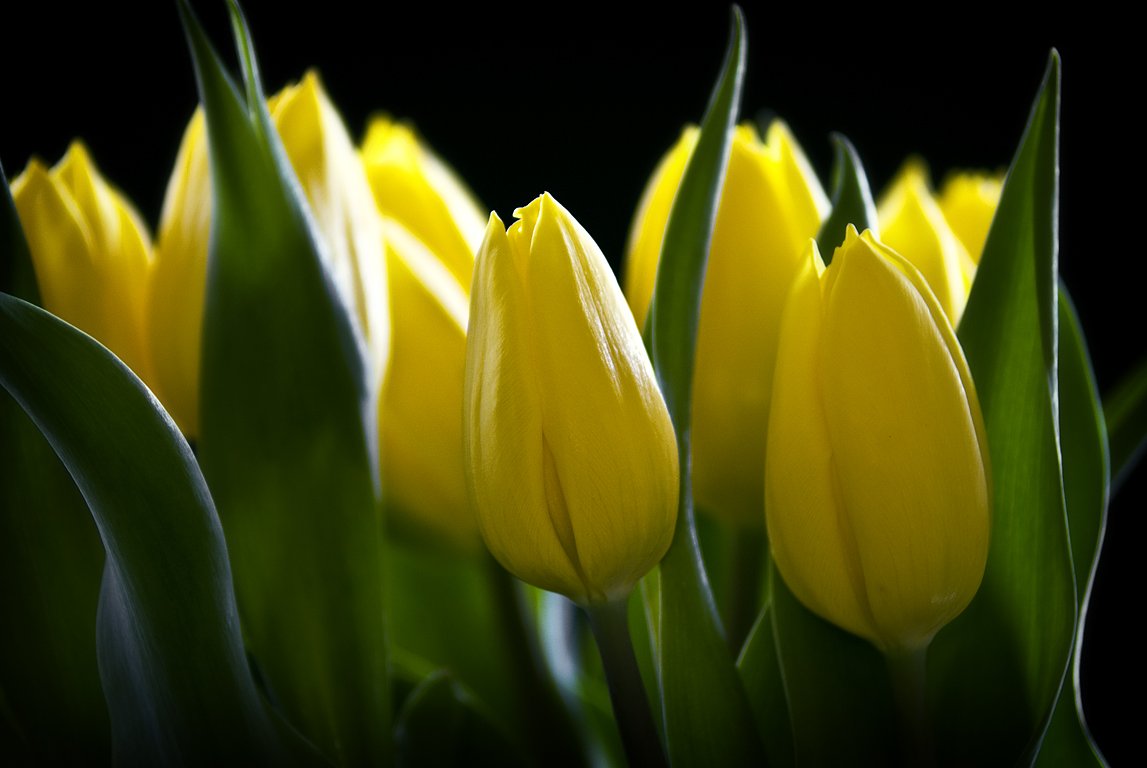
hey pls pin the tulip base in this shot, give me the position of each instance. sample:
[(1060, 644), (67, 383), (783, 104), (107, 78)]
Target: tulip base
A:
[(610, 623), (908, 672)]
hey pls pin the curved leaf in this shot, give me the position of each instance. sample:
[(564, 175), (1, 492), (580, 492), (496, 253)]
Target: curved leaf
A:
[(288, 442), (761, 673), (1126, 416), (707, 716), (170, 656), (996, 670), (50, 565), (851, 198)]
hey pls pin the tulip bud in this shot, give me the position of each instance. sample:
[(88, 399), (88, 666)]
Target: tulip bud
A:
[(411, 185), (969, 201), (420, 420), (332, 177), (912, 224), (770, 205), (571, 456), (877, 482), (90, 252)]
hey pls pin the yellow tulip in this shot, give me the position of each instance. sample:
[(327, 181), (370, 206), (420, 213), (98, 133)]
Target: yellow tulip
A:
[(90, 252), (413, 186), (770, 205), (420, 420), (912, 224), (969, 201), (332, 177), (571, 456), (877, 479)]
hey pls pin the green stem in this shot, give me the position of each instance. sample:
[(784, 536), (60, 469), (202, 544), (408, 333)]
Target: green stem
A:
[(908, 672), (610, 623), (546, 723), (746, 568)]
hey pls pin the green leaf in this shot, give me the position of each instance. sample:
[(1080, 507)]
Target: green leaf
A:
[(707, 716), (441, 724), (996, 670), (288, 440), (50, 565), (851, 198), (171, 659), (1085, 481), (1126, 414), (761, 673)]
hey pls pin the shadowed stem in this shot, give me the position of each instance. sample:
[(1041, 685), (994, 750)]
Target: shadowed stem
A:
[(746, 569), (610, 623), (548, 728), (907, 669)]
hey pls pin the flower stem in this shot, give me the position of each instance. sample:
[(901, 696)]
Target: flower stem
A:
[(907, 670), (610, 623), (548, 728)]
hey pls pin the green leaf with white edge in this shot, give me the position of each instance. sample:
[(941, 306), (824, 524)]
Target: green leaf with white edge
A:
[(287, 439), (761, 673), (442, 724), (851, 198), (171, 659), (996, 670), (1125, 410), (707, 716), (1085, 481), (50, 565)]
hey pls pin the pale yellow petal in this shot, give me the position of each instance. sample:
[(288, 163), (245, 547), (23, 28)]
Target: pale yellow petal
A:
[(969, 202)]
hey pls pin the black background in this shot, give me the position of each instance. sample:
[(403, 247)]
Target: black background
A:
[(582, 101)]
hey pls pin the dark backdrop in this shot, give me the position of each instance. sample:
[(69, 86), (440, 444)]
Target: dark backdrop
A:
[(582, 102)]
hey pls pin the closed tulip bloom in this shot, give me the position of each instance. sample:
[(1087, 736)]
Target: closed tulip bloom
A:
[(969, 201), (412, 186), (877, 479), (770, 205), (571, 456), (420, 421), (912, 224), (90, 252), (330, 172)]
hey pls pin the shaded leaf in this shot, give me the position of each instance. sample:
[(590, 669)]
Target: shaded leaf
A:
[(1126, 414), (851, 198)]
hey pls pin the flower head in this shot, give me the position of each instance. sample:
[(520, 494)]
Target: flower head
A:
[(877, 481), (571, 456)]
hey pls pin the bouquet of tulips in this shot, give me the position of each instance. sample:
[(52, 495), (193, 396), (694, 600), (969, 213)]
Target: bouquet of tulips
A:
[(377, 479)]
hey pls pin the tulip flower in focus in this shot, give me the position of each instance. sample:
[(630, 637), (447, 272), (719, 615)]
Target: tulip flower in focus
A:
[(877, 481), (90, 251), (571, 456), (912, 224), (770, 205), (969, 202), (332, 177)]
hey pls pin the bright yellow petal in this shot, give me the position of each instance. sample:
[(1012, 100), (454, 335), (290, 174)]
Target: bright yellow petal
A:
[(912, 224), (906, 445), (604, 421), (410, 184), (179, 279), (502, 427), (969, 202), (420, 421), (803, 507)]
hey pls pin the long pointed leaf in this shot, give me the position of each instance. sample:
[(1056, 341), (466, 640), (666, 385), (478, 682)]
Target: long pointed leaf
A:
[(50, 565), (707, 716), (170, 656), (996, 670), (851, 198), (1085, 481), (1126, 414), (287, 431)]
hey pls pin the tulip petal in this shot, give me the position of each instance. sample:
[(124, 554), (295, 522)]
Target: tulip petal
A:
[(969, 202), (908, 451), (502, 426)]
